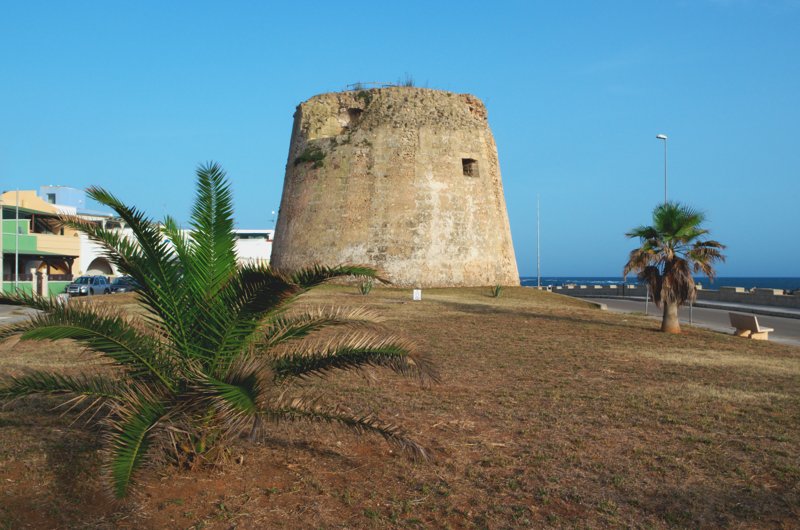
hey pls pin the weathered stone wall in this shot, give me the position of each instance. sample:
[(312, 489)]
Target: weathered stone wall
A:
[(403, 179)]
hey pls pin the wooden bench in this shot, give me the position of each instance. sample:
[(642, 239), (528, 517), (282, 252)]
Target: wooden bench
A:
[(747, 326)]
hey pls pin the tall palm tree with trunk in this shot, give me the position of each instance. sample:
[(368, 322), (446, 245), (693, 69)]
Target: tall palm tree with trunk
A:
[(217, 352), (673, 248)]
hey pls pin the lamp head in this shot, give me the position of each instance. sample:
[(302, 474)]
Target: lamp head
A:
[(661, 136)]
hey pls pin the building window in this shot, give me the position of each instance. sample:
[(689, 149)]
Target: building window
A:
[(470, 167), (51, 198)]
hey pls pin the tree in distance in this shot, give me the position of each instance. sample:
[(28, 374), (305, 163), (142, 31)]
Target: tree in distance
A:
[(216, 353), (671, 250)]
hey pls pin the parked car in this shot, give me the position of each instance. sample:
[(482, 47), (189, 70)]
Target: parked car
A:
[(124, 284), (87, 285)]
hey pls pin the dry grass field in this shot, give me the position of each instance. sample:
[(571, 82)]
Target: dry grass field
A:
[(550, 413)]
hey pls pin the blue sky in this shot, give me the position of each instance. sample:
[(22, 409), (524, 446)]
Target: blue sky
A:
[(132, 96)]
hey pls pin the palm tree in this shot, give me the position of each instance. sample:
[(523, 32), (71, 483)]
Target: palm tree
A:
[(216, 353), (672, 249)]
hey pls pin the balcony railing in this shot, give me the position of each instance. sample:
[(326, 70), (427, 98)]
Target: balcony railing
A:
[(20, 278)]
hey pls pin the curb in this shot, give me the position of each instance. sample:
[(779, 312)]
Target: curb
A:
[(756, 310), (598, 305)]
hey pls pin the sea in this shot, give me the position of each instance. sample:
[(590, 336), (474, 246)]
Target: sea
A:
[(748, 282)]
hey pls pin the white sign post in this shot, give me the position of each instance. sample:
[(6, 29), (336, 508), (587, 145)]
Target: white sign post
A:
[(417, 294)]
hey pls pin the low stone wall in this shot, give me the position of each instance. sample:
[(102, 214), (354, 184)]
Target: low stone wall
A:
[(768, 297), (737, 295)]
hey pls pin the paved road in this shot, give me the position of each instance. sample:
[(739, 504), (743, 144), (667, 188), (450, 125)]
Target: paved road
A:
[(787, 330), (12, 313)]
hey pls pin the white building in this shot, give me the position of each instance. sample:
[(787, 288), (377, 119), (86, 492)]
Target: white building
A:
[(252, 246)]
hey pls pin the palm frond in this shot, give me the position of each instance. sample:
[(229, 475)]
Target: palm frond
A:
[(643, 232), (677, 284), (704, 254), (153, 264), (106, 332), (233, 317), (118, 249), (237, 397), (240, 393), (258, 292), (354, 352), (183, 246), (651, 276), (285, 328), (131, 425), (21, 298), (311, 411), (212, 224), (126, 254), (687, 233), (317, 274), (638, 260), (51, 383), (672, 217)]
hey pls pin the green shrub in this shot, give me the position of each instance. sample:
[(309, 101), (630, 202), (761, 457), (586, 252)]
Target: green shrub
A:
[(407, 81), (365, 286), (313, 154), (365, 96)]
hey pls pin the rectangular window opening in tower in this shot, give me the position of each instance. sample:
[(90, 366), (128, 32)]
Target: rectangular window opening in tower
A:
[(470, 167)]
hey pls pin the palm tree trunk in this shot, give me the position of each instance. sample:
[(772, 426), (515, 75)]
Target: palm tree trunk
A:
[(670, 322)]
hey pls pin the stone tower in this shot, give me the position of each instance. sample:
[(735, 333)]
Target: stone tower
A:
[(403, 179)]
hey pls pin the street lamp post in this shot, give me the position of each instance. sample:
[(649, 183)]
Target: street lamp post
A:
[(664, 137), (16, 248), (538, 249)]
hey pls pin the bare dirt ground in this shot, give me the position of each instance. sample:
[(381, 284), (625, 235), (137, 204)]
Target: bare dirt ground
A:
[(550, 413)]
